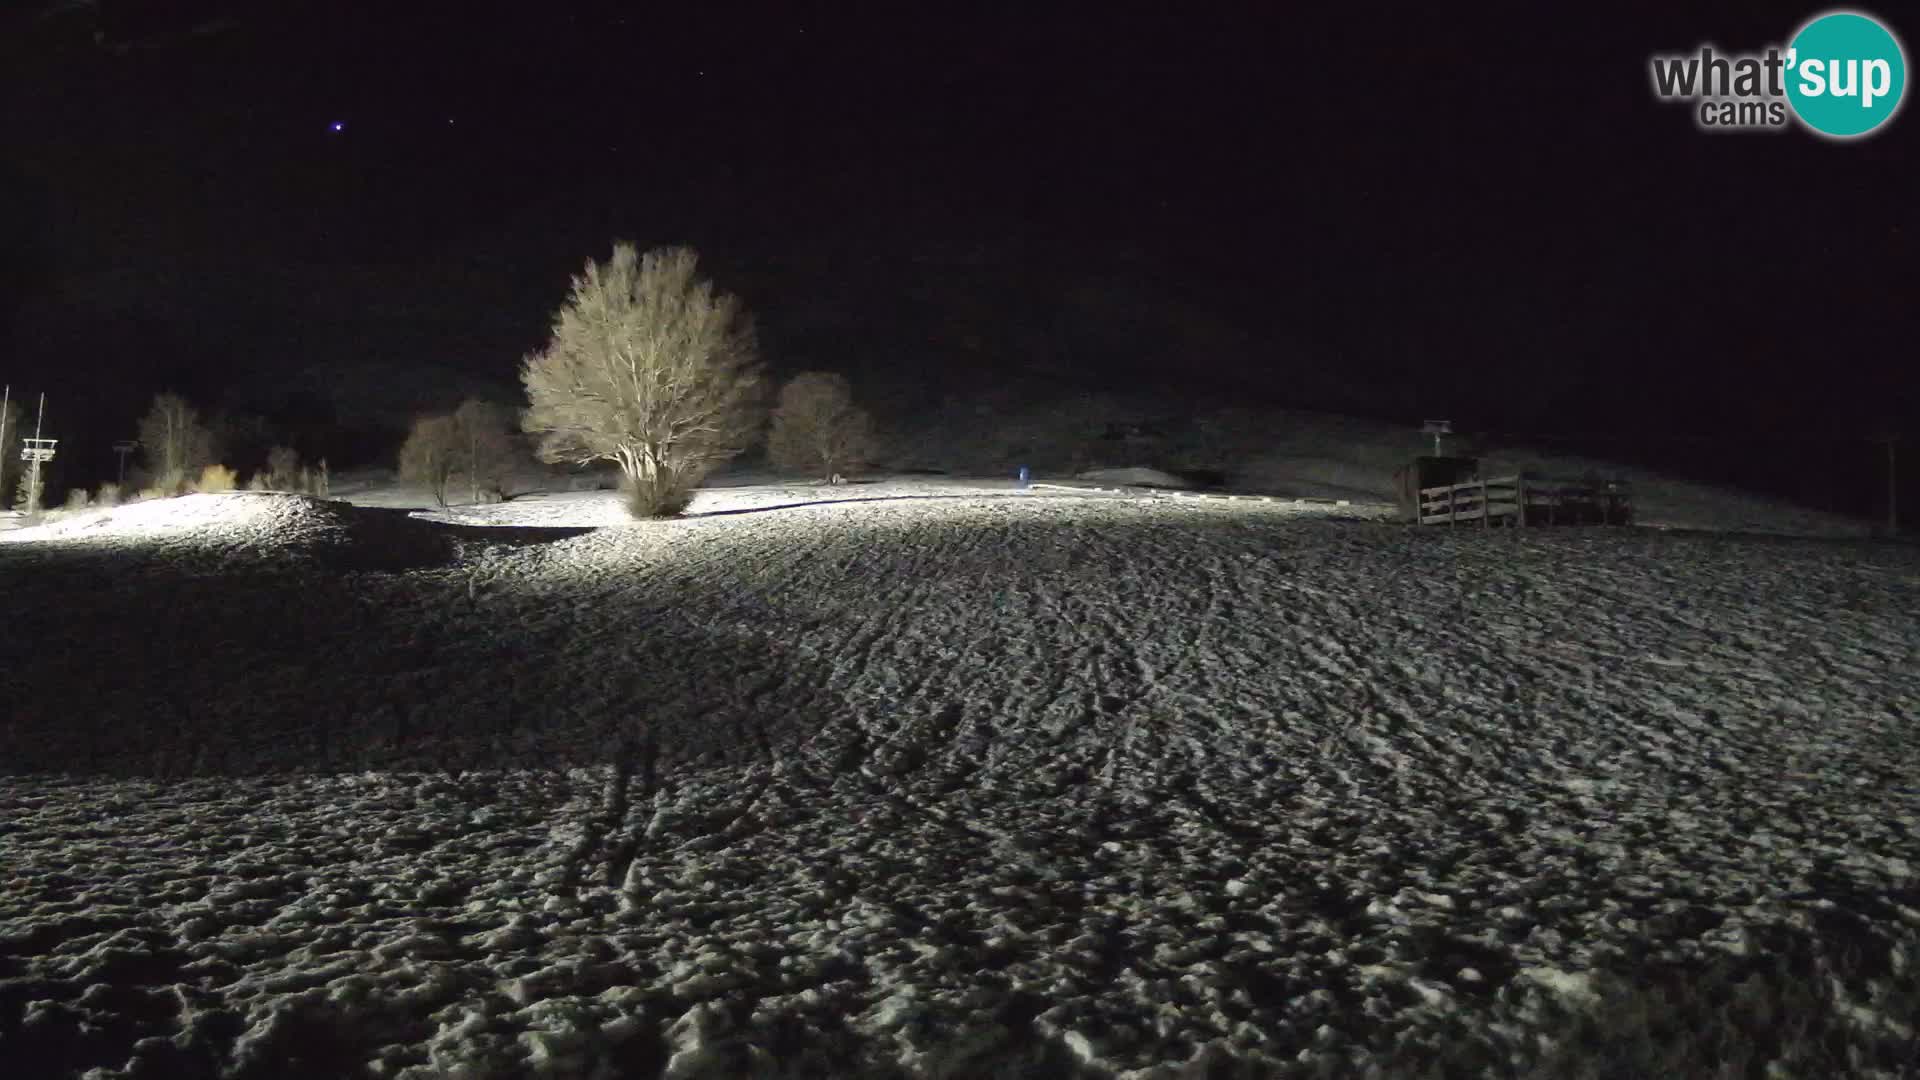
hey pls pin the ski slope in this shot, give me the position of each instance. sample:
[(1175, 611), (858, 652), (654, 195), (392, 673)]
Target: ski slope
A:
[(931, 780)]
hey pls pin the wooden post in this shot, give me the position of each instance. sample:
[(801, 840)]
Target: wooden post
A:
[(1486, 506), (1453, 496), (1520, 498)]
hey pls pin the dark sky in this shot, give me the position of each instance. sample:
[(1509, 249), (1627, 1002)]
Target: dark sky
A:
[(1405, 208)]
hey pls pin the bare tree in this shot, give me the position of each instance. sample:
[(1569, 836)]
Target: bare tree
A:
[(30, 490), (215, 478), (486, 445), (10, 435), (650, 368), (817, 427), (283, 468), (430, 453), (175, 443)]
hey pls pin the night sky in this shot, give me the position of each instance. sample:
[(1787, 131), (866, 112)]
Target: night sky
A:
[(1393, 210)]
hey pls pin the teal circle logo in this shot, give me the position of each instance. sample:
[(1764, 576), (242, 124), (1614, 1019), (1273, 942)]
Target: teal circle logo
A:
[(1846, 74)]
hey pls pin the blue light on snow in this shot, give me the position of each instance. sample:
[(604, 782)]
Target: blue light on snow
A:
[(337, 126)]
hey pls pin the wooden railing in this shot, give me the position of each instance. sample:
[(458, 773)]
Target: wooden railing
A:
[(1526, 500)]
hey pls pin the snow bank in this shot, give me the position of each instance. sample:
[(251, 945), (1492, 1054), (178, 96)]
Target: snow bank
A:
[(210, 519), (245, 529)]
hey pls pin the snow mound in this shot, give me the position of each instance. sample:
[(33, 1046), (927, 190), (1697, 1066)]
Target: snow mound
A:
[(249, 511), (252, 525), (1137, 477)]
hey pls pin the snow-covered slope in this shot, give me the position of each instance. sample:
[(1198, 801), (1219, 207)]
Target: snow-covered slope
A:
[(1287, 452), (973, 783)]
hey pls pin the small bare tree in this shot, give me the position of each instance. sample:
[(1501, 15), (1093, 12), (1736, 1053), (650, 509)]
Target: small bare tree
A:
[(10, 435), (430, 453), (215, 478), (176, 444), (486, 445), (283, 468), (818, 428), (30, 489), (650, 368)]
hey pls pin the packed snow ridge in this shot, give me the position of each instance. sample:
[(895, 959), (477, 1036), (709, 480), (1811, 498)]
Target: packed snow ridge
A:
[(934, 781)]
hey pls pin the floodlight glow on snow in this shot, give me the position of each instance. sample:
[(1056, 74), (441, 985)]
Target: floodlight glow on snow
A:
[(183, 522)]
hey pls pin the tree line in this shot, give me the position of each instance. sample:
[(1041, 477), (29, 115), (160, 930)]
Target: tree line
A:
[(647, 366)]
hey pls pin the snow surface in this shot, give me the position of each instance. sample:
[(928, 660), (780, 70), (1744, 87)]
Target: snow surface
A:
[(922, 778)]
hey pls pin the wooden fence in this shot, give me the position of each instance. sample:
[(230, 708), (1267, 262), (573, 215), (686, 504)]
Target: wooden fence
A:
[(1524, 500)]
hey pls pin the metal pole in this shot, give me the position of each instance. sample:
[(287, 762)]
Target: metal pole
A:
[(33, 485), (6, 400)]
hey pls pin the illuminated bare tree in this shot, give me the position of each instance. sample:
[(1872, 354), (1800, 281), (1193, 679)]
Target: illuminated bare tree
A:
[(10, 435), (817, 427), (430, 453), (215, 478), (650, 368), (486, 445), (175, 443)]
